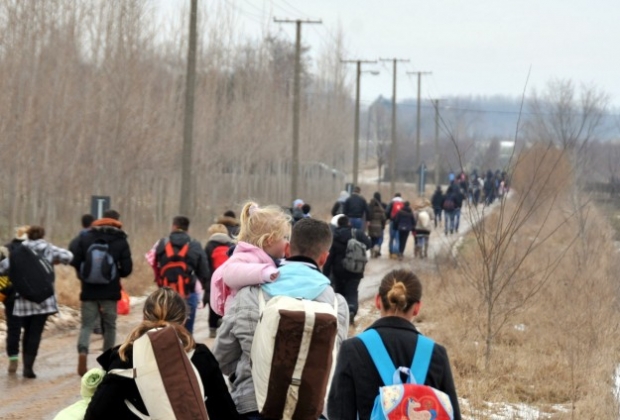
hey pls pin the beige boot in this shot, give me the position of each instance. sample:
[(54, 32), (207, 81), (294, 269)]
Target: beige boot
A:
[(13, 362), (82, 359)]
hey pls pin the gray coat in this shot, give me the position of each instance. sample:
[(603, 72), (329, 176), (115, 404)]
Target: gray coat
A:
[(234, 342)]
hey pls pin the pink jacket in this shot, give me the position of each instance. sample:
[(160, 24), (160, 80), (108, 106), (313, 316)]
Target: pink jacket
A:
[(247, 266)]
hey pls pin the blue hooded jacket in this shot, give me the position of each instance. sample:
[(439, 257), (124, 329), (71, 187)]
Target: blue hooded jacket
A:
[(299, 277)]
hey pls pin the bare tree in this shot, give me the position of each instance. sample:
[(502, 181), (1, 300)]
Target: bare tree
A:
[(498, 266)]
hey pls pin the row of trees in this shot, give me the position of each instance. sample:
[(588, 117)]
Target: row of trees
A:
[(92, 104)]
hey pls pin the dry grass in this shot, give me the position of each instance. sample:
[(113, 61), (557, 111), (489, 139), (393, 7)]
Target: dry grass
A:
[(560, 348)]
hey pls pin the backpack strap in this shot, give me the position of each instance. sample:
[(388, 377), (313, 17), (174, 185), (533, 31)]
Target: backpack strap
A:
[(422, 358), (378, 354)]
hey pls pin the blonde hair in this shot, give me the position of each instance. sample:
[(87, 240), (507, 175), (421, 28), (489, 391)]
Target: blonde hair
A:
[(400, 290), (216, 228), (263, 225), (164, 307)]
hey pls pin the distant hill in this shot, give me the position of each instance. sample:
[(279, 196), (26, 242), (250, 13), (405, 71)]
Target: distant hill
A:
[(480, 117)]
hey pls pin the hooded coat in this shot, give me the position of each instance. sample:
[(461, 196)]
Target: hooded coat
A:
[(377, 217), (338, 251), (110, 231)]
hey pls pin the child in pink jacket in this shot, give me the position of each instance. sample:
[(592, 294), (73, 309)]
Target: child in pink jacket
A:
[(263, 239)]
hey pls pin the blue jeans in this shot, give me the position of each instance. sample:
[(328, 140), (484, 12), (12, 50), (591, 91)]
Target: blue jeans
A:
[(394, 239), (377, 241), (437, 211), (457, 218), (356, 222), (192, 305), (91, 309), (449, 221)]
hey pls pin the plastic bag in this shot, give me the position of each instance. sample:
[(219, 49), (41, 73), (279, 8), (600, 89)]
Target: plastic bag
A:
[(123, 305)]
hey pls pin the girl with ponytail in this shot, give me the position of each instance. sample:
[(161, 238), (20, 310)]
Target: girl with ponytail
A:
[(162, 308), (262, 242), (356, 379)]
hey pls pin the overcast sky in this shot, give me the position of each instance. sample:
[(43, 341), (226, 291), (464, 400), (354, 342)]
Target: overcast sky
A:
[(474, 47)]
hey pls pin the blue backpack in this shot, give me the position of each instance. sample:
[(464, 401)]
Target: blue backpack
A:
[(397, 400), (98, 266)]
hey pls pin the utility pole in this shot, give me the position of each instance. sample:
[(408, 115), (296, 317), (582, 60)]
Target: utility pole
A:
[(356, 131), (188, 123), (394, 144), (296, 101), (437, 168), (417, 133)]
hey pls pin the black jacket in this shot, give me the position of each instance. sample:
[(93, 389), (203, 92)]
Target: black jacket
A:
[(404, 219), (458, 199), (437, 200), (196, 258), (109, 399), (118, 249), (356, 380), (338, 208), (356, 207), (333, 265)]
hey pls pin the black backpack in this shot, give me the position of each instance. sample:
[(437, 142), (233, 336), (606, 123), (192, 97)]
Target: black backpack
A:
[(448, 203), (32, 275), (98, 266)]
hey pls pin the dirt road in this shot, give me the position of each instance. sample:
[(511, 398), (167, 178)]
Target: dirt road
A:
[(57, 384)]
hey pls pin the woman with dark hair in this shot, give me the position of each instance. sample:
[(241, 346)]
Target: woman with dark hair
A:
[(34, 315), (356, 380), (162, 308)]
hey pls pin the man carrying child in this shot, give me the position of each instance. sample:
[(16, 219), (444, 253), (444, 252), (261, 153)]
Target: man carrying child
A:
[(300, 278)]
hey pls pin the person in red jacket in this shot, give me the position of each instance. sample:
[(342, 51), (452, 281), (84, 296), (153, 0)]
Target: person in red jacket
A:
[(217, 250)]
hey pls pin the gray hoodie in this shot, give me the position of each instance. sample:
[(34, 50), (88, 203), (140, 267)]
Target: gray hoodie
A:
[(234, 341)]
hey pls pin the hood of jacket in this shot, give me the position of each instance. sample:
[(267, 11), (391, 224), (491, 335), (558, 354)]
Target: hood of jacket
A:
[(108, 230), (220, 238), (298, 279), (244, 249), (343, 234), (178, 238), (228, 221)]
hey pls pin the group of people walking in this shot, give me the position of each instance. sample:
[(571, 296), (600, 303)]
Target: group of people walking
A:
[(261, 261), (403, 219)]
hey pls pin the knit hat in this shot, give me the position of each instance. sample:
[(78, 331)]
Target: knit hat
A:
[(298, 203)]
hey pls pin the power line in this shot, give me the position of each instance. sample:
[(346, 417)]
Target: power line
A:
[(417, 138), (393, 152), (356, 131), (296, 100)]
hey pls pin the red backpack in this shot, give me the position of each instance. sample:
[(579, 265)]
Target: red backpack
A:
[(174, 271), (396, 207), (218, 256)]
